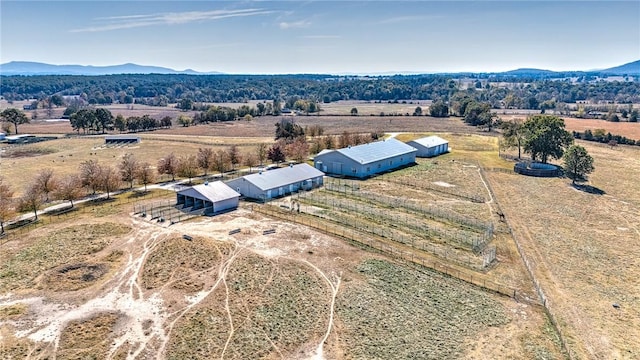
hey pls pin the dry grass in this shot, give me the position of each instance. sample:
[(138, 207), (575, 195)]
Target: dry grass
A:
[(627, 129), (585, 248), (12, 311), (18, 270), (367, 108), (87, 339)]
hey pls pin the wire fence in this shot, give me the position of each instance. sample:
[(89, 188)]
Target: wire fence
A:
[(97, 207), (403, 253), (164, 211), (418, 183)]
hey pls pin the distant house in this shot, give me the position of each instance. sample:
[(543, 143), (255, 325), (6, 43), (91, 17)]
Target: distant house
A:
[(121, 139), (2, 136), (362, 161), (20, 139), (208, 198), (430, 146), (266, 185), (27, 107)]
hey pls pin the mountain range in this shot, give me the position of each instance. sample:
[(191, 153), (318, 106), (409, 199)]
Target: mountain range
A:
[(36, 68)]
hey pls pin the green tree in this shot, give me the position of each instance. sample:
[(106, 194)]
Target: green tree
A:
[(417, 111), (83, 119), (633, 115), (104, 120), (120, 123), (288, 130), (15, 117), (184, 120), (546, 137), (439, 109), (354, 111), (577, 163), (185, 104), (513, 134)]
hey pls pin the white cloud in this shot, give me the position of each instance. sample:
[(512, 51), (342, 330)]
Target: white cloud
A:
[(134, 21), (296, 24)]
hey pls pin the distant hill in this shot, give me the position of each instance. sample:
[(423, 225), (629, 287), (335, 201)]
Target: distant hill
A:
[(36, 68), (632, 68), (528, 72)]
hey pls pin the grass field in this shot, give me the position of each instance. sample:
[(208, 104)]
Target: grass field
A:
[(299, 293)]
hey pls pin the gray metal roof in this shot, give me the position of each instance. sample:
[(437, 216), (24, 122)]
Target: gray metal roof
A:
[(213, 191), (283, 176), (376, 151), (430, 141)]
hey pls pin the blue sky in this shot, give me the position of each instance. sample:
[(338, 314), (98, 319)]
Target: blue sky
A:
[(274, 37)]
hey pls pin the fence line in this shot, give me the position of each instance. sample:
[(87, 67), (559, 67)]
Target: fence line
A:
[(530, 267), (409, 257)]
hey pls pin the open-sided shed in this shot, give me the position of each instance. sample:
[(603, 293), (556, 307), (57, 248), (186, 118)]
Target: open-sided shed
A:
[(430, 146), (278, 182), (364, 160), (121, 139), (208, 198)]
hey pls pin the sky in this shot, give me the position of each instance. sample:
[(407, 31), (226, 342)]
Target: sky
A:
[(328, 37)]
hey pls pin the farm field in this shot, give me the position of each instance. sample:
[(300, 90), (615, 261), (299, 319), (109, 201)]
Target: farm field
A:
[(303, 293)]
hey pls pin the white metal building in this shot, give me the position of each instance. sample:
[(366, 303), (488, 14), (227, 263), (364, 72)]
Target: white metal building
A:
[(266, 185), (430, 146), (364, 160), (208, 198)]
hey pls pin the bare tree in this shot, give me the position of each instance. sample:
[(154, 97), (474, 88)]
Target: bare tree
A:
[(46, 183), (90, 175), (261, 153), (221, 161), (168, 165), (32, 199), (250, 160), (234, 156), (298, 150), (345, 140), (188, 167), (109, 180), (6, 204), (69, 189), (128, 168), (146, 174), (205, 159)]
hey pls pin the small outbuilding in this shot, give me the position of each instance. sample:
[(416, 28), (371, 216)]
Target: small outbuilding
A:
[(121, 139), (364, 160), (208, 198), (2, 136), (430, 146), (270, 184)]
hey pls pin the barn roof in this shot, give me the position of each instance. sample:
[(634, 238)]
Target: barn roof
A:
[(430, 141), (213, 191), (376, 151), (121, 137), (271, 179)]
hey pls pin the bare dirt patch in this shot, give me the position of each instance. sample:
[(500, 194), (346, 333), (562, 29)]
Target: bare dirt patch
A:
[(73, 277)]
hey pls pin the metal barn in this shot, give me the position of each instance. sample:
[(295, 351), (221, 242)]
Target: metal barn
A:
[(362, 161), (208, 198), (430, 146), (270, 184), (121, 139)]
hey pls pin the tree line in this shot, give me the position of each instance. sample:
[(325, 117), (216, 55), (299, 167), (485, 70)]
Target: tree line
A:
[(160, 90)]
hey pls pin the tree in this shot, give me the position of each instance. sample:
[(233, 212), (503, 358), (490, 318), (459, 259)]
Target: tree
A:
[(298, 150), (439, 109), (250, 160), (129, 168), (184, 120), (417, 111), (31, 199), (354, 111), (205, 159), (546, 137), (104, 120), (188, 167), (14, 116), (90, 175), (288, 130), (633, 115), (109, 179), (577, 163), (261, 153), (69, 189), (120, 123), (146, 174), (221, 161), (513, 134), (276, 153), (185, 104), (46, 183), (168, 165), (83, 119), (6, 204), (234, 156)]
